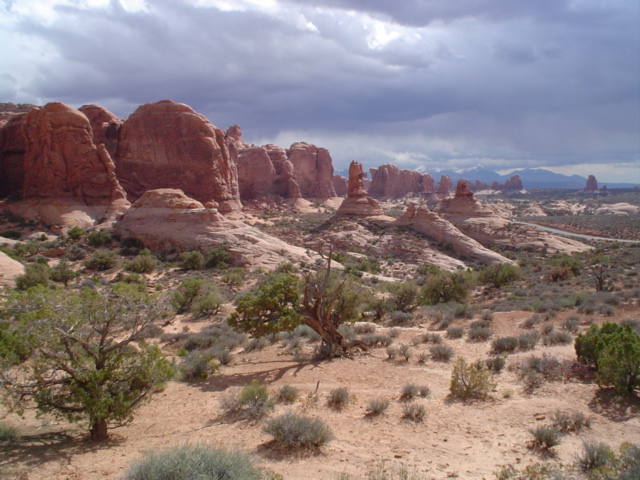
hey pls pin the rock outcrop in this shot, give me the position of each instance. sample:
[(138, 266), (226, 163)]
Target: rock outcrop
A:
[(463, 203), (105, 126), (167, 219), (256, 173), (514, 184), (340, 185), (358, 203), (591, 185), (444, 186), (430, 224), (13, 146), (10, 269), (68, 180), (285, 183), (168, 145), (313, 169), (389, 181)]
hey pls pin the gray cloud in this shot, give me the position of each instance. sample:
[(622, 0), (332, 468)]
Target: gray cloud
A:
[(508, 84)]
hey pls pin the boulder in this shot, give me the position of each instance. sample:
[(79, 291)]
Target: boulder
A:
[(313, 169), (10, 269), (430, 224), (358, 203), (105, 126), (167, 219), (168, 145)]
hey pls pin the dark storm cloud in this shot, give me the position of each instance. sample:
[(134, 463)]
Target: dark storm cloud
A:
[(513, 83)]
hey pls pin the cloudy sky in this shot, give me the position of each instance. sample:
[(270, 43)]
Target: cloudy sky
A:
[(420, 83)]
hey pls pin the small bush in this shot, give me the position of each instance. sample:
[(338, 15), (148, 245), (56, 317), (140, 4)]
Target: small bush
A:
[(75, 233), (62, 273), (101, 260), (186, 293), (197, 366), (398, 317), (441, 353), (338, 398), (75, 252), (504, 345), (376, 407), (405, 352), (403, 296), (499, 275), (532, 321), (251, 402), (528, 341), (287, 394), (567, 422), (291, 431), (408, 392), (12, 234), (495, 364), (143, 263), (595, 455), (414, 412), (571, 324), (35, 274), (422, 357), (234, 277), (442, 287), (455, 332), (220, 257), (392, 353), (544, 438), (7, 433), (193, 461), (479, 333), (470, 380), (99, 238), (208, 301), (193, 260), (556, 338)]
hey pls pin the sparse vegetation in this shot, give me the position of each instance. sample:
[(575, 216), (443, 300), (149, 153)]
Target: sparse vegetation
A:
[(338, 398), (292, 431), (470, 380), (414, 412)]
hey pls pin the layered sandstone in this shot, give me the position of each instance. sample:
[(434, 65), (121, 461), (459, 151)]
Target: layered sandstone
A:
[(13, 147), (105, 126), (313, 169), (463, 203), (168, 145), (389, 181), (256, 173), (436, 228), (358, 203), (340, 185), (444, 186), (68, 180), (167, 219)]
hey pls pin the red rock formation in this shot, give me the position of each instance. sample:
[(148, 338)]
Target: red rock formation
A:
[(444, 187), (514, 184), (463, 203), (388, 181), (340, 185), (62, 161), (256, 173), (428, 185), (105, 126), (168, 145), (13, 147), (463, 190), (313, 169), (285, 183), (592, 184), (358, 203)]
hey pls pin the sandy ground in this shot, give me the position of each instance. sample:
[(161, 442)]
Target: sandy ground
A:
[(457, 440)]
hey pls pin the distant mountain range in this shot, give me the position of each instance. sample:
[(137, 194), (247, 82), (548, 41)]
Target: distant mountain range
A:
[(531, 178)]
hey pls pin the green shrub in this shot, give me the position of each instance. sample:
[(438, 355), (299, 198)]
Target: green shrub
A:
[(495, 364), (544, 438), (291, 431), (75, 233), (404, 351), (478, 333), (504, 345), (470, 380), (528, 341), (183, 297), (414, 412), (376, 407), (499, 275), (234, 277), (570, 263), (338, 398), (12, 234), (208, 301), (99, 238), (595, 456), (7, 433), (193, 260), (197, 366), (403, 296), (191, 462), (569, 422), (34, 274), (441, 353), (445, 287), (455, 332), (219, 257), (142, 263), (251, 402), (101, 260), (287, 394), (62, 273), (556, 338)]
